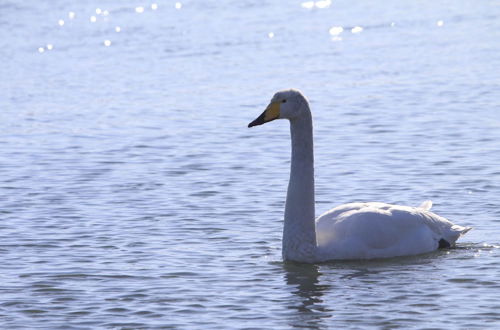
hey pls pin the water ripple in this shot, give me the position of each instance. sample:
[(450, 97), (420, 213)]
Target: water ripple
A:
[(132, 195)]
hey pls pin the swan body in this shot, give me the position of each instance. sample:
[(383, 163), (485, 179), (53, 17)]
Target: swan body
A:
[(365, 230), (379, 230)]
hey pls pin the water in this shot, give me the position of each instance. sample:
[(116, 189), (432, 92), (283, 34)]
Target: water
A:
[(132, 195)]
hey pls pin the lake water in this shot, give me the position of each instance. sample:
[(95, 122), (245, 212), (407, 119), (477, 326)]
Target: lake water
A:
[(133, 195)]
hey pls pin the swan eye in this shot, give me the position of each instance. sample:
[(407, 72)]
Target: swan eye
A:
[(284, 101)]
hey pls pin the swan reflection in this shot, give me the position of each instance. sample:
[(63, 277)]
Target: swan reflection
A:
[(305, 284)]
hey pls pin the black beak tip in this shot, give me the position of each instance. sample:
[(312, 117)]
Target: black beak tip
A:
[(259, 121)]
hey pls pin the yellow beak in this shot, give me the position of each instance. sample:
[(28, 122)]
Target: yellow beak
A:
[(271, 113)]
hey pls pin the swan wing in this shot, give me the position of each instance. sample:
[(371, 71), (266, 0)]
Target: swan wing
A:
[(379, 230)]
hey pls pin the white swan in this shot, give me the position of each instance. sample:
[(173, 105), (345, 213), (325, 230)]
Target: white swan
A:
[(349, 231)]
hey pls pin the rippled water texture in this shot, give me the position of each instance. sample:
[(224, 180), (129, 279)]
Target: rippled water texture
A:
[(133, 195)]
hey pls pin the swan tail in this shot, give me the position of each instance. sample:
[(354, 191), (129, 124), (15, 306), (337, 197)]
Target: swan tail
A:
[(454, 234), (460, 230), (426, 205)]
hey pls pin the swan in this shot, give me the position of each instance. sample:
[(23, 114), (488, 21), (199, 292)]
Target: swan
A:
[(366, 230)]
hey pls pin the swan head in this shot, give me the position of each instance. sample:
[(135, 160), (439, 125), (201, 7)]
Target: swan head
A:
[(285, 104)]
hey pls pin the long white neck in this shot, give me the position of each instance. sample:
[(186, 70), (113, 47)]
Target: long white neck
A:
[(299, 232)]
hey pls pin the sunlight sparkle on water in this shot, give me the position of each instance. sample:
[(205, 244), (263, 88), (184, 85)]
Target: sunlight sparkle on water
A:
[(71, 15), (323, 4), (439, 23), (50, 46), (98, 11), (178, 5), (154, 6), (107, 43), (336, 30), (41, 49), (308, 4), (139, 10), (319, 4), (270, 35), (93, 19), (61, 22), (118, 29), (356, 29)]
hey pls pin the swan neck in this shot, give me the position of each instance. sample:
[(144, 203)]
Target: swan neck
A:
[(299, 235)]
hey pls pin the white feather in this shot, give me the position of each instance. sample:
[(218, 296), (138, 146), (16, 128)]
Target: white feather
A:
[(379, 230), (426, 205)]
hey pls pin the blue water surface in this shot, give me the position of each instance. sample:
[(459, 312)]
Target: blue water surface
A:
[(132, 194)]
